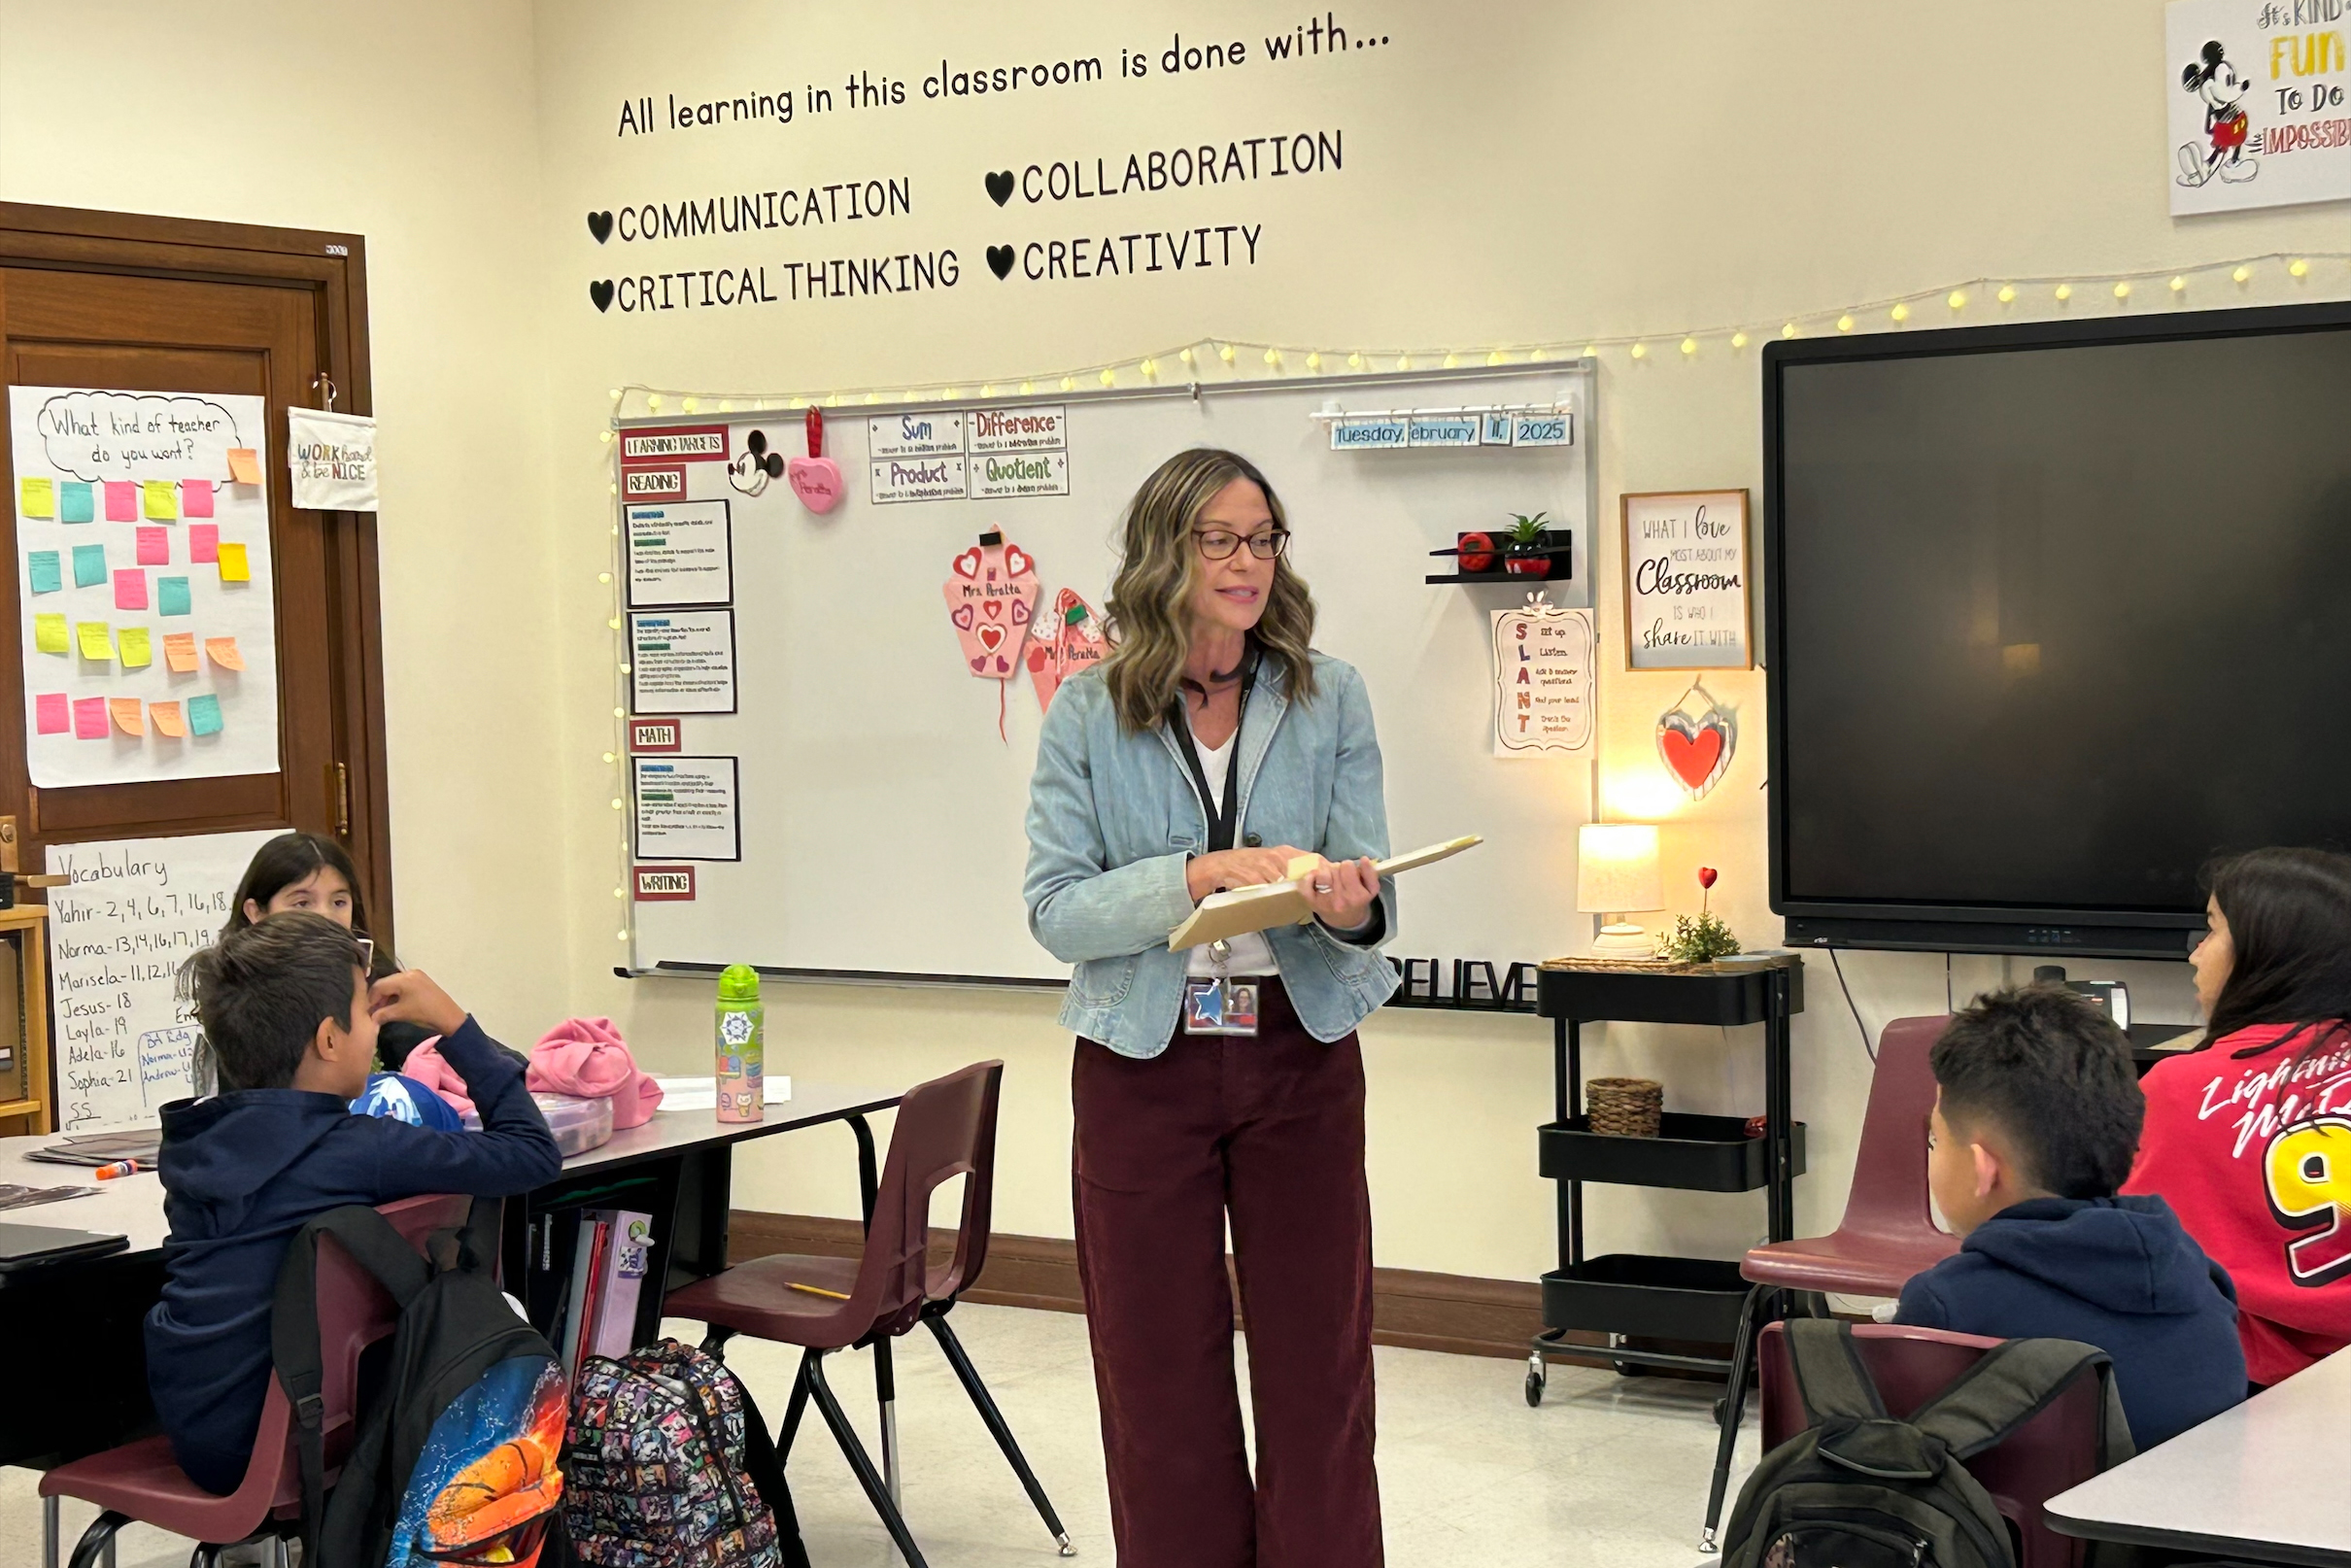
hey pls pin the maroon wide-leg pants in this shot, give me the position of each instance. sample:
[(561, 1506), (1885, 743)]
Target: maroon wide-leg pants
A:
[(1267, 1130)]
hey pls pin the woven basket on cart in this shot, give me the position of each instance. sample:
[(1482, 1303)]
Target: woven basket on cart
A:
[(1626, 1107)]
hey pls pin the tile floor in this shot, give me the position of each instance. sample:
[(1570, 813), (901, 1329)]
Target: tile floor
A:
[(1609, 1471)]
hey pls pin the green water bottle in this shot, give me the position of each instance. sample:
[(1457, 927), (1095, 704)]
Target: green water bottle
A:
[(743, 1090)]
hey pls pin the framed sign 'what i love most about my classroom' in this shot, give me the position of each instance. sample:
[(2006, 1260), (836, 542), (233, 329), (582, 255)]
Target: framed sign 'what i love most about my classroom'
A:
[(1685, 594)]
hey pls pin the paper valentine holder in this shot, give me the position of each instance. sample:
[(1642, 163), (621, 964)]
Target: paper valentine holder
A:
[(991, 593)]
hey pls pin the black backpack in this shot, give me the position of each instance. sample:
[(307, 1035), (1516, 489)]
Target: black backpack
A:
[(1858, 1490), (456, 1454)]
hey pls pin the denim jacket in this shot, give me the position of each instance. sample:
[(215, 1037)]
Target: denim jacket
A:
[(1113, 818)]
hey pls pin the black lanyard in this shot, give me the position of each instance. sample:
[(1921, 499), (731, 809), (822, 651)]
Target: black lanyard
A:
[(1224, 820)]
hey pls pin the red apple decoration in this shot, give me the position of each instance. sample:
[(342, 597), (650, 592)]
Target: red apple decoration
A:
[(1477, 551)]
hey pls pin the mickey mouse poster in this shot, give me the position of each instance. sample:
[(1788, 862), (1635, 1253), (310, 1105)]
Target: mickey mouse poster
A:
[(2258, 103)]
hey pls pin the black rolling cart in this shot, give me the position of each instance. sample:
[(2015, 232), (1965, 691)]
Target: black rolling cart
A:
[(1626, 1294)]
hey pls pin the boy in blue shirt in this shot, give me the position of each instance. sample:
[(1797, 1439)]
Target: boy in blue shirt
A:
[(290, 1021), (2035, 1122)]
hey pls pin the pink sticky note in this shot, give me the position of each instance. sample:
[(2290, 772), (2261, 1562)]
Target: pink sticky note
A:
[(203, 541), (89, 718), (196, 497), (155, 546), (122, 501), (54, 713), (130, 588)]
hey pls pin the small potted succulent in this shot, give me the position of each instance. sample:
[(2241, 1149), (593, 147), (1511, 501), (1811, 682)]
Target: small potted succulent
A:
[(1529, 554)]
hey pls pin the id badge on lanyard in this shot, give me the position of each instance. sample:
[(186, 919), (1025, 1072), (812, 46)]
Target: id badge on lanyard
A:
[(1219, 1005)]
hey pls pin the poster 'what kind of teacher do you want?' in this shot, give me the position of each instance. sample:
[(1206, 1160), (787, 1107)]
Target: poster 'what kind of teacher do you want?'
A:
[(143, 568)]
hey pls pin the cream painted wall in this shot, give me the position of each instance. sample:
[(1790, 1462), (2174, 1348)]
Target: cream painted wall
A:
[(413, 125), (1514, 172)]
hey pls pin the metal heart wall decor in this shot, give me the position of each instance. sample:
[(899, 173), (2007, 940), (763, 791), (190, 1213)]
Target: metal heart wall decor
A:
[(1695, 740)]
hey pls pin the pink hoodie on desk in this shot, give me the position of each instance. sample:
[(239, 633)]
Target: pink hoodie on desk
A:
[(586, 1057), (423, 1062)]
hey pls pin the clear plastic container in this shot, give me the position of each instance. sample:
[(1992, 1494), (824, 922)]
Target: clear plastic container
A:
[(578, 1124)]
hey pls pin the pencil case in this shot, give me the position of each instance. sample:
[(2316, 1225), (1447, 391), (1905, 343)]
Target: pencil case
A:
[(579, 1123)]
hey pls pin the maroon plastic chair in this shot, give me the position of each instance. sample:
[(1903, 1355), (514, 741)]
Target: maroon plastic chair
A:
[(945, 1129), (1887, 1234), (140, 1482), (2058, 1449)]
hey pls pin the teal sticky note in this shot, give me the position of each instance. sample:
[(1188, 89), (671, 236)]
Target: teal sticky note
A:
[(171, 595), (47, 576), (75, 503), (204, 714), (89, 566)]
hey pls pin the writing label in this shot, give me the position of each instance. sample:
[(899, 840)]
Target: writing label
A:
[(665, 884), (664, 484), (1544, 430), (1019, 429), (914, 435), (1019, 473), (655, 735), (918, 479), (675, 443), (1367, 435), (1441, 430)]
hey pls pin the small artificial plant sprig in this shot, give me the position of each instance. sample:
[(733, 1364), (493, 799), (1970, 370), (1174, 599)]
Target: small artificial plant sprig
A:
[(1702, 937), (1527, 532)]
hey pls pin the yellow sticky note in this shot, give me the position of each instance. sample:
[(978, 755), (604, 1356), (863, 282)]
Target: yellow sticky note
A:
[(245, 465), (167, 718), (97, 640), (162, 500), (179, 650), (233, 569), (39, 497), (137, 652), (50, 634)]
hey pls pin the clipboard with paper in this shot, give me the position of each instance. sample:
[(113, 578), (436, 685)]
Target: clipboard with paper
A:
[(1222, 916)]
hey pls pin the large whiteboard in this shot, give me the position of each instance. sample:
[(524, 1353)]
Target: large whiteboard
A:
[(881, 816)]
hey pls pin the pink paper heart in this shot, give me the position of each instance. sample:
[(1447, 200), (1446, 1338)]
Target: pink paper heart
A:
[(995, 609), (967, 565), (1017, 560), (981, 663), (816, 481), (962, 617), (991, 637), (1020, 612)]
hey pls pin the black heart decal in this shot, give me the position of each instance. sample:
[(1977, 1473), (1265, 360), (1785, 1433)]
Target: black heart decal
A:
[(1000, 259), (601, 291), (600, 226), (999, 187)]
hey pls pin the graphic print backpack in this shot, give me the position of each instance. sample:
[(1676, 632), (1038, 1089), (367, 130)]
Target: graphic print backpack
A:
[(455, 1460), (1858, 1490), (669, 1465)]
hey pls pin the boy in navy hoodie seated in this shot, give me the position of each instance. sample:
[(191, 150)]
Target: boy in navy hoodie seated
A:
[(2034, 1127), (290, 1021)]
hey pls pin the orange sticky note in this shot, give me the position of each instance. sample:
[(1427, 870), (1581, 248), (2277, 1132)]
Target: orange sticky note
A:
[(245, 465), (233, 569), (167, 719), (223, 651), (127, 719), (179, 650)]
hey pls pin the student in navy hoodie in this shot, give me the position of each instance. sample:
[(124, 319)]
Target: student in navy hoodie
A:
[(289, 1025), (2035, 1126)]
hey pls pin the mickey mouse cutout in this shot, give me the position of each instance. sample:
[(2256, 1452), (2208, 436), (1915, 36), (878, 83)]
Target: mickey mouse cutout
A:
[(755, 464), (2211, 78), (991, 593)]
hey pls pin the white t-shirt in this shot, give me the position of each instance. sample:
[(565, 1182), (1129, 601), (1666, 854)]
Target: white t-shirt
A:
[(1251, 953)]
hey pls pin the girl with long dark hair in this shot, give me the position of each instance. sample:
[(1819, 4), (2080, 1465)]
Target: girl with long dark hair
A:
[(2248, 1136)]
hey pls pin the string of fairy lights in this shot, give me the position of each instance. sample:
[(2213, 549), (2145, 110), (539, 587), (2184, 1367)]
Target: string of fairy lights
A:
[(2271, 278)]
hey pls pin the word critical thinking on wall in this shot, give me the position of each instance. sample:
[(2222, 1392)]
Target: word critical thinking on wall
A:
[(1166, 226)]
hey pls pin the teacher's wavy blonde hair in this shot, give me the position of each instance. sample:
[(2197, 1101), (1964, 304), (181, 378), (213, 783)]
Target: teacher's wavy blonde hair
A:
[(1149, 610)]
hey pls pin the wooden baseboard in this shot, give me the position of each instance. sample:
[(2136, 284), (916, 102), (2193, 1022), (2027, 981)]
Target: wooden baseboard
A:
[(1418, 1310)]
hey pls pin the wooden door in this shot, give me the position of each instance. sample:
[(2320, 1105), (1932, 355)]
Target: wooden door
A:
[(167, 305)]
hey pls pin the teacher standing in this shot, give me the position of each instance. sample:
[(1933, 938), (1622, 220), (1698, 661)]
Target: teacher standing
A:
[(1221, 1085)]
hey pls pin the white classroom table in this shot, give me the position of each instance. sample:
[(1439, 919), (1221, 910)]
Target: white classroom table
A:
[(133, 1206), (2269, 1480)]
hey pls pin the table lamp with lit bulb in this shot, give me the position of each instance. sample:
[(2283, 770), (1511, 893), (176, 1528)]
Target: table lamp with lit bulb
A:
[(1616, 878)]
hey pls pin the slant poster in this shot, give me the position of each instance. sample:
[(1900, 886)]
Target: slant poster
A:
[(1543, 679)]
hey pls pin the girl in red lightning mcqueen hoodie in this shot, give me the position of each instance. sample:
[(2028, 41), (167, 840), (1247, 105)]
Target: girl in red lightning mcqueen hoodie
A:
[(2248, 1137)]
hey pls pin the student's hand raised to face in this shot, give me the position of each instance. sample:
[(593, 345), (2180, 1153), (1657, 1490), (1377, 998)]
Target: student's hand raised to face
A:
[(413, 997)]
